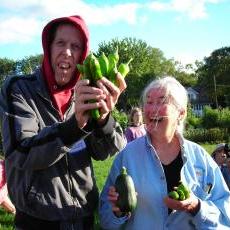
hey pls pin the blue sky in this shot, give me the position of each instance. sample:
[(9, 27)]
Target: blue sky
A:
[(186, 30)]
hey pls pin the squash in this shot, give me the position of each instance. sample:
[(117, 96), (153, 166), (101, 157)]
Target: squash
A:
[(127, 199)]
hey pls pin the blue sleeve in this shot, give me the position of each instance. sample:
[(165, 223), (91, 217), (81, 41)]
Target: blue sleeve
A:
[(215, 206)]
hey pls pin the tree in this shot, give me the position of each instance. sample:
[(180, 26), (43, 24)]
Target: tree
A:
[(29, 64), (7, 67), (214, 76)]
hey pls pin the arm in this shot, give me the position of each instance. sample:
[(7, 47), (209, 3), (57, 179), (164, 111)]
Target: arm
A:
[(214, 208), (107, 136), (8, 206), (27, 142), (105, 140)]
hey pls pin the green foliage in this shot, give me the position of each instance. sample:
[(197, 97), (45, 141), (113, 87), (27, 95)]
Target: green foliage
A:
[(121, 118), (216, 118), (6, 220), (192, 121), (7, 67), (210, 117), (214, 73), (29, 64), (224, 118), (185, 74), (214, 135), (213, 126)]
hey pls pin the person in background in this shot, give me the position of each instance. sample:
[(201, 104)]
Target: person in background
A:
[(49, 137), (221, 155), (5, 201), (136, 127), (159, 161)]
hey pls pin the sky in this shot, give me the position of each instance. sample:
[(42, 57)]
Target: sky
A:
[(185, 30)]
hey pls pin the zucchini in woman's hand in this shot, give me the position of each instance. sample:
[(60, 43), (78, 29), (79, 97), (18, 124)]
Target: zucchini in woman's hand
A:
[(127, 198)]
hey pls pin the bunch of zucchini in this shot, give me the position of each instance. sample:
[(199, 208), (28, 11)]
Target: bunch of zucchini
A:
[(94, 69), (180, 193)]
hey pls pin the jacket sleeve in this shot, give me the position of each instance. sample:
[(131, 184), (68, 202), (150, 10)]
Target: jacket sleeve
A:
[(213, 194), (105, 141), (214, 206), (28, 146)]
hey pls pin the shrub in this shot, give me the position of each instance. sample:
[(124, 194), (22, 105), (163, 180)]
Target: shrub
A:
[(213, 135), (120, 117)]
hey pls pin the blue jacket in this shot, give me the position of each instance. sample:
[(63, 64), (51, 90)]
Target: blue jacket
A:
[(143, 164)]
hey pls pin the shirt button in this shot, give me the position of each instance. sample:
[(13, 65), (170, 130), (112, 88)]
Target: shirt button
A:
[(55, 87), (162, 177)]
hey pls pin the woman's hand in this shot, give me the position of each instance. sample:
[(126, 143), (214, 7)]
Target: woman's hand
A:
[(191, 205), (112, 197), (112, 93)]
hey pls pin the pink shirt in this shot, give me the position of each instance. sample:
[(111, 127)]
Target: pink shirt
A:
[(3, 187), (133, 132)]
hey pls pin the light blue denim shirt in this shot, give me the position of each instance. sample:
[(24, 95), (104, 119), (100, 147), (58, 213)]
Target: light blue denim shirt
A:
[(144, 166)]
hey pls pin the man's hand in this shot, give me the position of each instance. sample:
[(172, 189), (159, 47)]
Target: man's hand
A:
[(105, 97), (112, 93), (84, 93)]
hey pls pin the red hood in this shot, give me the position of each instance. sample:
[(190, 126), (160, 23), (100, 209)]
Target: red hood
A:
[(61, 96)]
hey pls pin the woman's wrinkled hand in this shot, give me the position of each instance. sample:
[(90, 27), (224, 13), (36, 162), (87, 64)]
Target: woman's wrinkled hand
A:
[(191, 205)]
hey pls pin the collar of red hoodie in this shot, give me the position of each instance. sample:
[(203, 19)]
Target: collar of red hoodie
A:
[(61, 96)]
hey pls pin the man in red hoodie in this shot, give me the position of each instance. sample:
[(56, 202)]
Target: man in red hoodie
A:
[(49, 138)]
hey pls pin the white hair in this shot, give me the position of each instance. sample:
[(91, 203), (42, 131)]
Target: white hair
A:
[(174, 90)]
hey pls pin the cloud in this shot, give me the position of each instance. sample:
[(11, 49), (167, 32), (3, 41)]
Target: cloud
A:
[(191, 56), (32, 15), (92, 13), (21, 30), (194, 9)]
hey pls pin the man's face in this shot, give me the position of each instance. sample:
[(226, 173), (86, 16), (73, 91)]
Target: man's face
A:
[(66, 51)]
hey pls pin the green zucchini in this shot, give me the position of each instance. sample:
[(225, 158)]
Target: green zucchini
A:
[(127, 199)]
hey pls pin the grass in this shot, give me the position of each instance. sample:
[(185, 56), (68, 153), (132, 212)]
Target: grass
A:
[(101, 169), (6, 220)]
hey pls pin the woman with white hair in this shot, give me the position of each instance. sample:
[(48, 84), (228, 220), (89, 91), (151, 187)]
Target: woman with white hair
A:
[(158, 162)]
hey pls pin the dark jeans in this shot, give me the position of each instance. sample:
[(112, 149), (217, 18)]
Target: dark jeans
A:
[(27, 222)]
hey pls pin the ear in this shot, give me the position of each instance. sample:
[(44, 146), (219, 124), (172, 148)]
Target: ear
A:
[(182, 114)]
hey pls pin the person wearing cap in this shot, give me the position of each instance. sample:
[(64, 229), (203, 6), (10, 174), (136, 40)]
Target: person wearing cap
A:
[(222, 158), (49, 137)]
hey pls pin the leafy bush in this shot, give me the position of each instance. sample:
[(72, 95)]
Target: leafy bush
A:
[(121, 118), (214, 118), (210, 118), (224, 118), (213, 135)]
